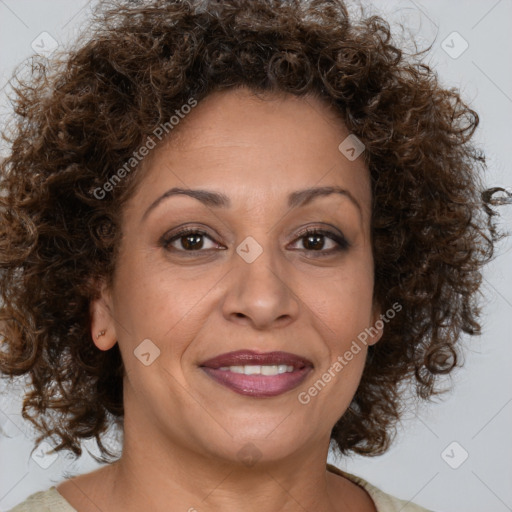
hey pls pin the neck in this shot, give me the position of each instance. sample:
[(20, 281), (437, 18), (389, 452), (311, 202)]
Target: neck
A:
[(152, 476)]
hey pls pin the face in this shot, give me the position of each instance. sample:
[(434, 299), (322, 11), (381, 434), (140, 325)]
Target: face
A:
[(264, 267)]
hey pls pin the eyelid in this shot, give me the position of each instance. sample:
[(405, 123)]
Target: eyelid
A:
[(328, 229)]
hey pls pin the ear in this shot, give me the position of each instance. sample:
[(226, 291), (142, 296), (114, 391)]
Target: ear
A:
[(376, 329), (103, 329)]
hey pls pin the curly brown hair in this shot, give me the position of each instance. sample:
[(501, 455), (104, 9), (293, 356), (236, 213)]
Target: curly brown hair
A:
[(80, 115)]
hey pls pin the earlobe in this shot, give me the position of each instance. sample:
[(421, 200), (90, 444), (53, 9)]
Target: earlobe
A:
[(102, 325)]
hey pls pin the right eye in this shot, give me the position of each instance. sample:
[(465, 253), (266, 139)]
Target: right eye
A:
[(190, 240)]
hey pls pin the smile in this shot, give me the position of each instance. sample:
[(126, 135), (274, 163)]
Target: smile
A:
[(276, 373), (259, 369)]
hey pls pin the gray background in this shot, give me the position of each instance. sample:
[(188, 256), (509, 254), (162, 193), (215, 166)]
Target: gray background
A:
[(423, 465)]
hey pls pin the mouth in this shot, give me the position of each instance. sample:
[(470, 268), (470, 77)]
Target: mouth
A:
[(258, 375)]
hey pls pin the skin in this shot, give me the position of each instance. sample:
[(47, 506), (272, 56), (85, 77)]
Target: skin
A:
[(183, 431)]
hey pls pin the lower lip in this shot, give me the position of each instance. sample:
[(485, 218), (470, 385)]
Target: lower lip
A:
[(258, 385)]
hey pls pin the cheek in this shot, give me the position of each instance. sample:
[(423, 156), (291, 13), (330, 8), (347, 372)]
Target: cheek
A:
[(344, 302), (156, 302), (167, 308), (342, 313)]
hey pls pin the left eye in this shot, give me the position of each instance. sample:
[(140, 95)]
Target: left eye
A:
[(315, 238)]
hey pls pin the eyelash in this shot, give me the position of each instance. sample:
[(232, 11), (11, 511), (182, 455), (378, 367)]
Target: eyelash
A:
[(343, 244)]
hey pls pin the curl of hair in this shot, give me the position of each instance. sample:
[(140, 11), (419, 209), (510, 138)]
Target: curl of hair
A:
[(80, 116)]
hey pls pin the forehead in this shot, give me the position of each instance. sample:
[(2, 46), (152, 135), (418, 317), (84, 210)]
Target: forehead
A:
[(245, 117), (263, 146)]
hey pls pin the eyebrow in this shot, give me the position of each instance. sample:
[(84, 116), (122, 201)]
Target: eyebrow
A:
[(220, 200)]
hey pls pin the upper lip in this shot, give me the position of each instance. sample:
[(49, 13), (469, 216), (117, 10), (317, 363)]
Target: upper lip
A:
[(249, 357)]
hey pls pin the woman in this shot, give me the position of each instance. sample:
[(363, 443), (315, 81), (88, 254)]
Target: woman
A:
[(236, 230)]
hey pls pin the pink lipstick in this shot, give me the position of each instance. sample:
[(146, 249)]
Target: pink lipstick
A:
[(258, 374)]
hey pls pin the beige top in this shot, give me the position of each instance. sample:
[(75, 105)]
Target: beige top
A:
[(51, 501)]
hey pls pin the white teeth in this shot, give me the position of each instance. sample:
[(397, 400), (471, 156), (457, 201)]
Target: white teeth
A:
[(259, 369), (252, 370)]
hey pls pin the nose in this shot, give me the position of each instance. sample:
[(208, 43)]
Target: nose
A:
[(260, 292)]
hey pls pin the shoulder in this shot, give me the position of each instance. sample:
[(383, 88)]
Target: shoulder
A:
[(383, 502), (44, 501)]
